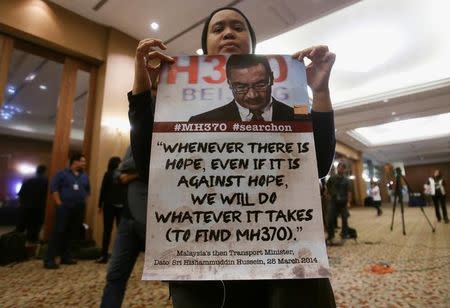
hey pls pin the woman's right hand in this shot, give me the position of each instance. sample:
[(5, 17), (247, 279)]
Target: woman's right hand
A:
[(148, 63)]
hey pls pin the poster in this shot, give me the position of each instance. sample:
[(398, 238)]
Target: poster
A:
[(229, 198)]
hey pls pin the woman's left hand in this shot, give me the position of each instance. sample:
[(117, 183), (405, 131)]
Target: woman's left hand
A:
[(318, 71)]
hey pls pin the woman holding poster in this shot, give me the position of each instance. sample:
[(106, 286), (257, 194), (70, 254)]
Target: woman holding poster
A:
[(228, 31)]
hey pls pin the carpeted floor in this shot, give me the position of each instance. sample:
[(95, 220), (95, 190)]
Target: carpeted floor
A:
[(419, 264)]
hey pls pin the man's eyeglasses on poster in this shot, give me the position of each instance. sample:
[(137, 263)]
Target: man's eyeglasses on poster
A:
[(242, 88)]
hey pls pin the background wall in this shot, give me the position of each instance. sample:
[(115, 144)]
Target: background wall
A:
[(47, 24), (111, 133), (16, 150), (419, 174)]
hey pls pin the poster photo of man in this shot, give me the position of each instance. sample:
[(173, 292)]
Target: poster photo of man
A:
[(235, 88)]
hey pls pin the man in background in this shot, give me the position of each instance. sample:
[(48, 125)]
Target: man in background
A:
[(32, 196), (70, 188), (339, 190)]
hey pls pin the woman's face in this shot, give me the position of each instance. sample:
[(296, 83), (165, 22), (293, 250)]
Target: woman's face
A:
[(436, 172), (228, 34)]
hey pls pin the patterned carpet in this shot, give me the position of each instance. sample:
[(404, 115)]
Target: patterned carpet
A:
[(419, 266)]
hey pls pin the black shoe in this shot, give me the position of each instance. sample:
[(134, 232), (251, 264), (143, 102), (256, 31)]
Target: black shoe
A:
[(345, 236), (69, 262), (51, 265), (102, 259)]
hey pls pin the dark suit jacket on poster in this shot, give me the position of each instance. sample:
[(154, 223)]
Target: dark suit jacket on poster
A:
[(230, 112)]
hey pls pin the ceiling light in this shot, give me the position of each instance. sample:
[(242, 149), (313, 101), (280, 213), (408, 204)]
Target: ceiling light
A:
[(30, 77), (5, 115), (437, 126), (121, 125), (393, 113), (199, 52), (154, 26), (11, 89), (25, 168), (43, 87)]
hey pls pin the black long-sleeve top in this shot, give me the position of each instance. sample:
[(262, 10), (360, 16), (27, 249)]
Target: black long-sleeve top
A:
[(141, 115), (111, 191)]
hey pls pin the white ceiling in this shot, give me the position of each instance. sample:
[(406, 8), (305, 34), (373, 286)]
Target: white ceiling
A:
[(391, 57)]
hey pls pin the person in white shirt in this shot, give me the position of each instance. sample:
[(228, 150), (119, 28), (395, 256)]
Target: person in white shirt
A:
[(437, 184), (375, 194)]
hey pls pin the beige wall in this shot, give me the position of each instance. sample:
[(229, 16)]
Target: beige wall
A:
[(115, 80), (53, 27), (357, 166), (47, 24)]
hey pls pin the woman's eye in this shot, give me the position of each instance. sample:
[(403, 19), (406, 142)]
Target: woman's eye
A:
[(239, 27), (217, 29)]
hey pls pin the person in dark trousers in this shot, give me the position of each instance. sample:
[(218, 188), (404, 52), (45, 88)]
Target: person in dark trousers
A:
[(111, 202), (339, 190), (228, 31), (130, 240), (437, 190), (376, 197), (32, 196), (70, 188)]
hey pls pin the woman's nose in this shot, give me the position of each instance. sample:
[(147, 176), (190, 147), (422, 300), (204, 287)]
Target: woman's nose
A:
[(229, 33)]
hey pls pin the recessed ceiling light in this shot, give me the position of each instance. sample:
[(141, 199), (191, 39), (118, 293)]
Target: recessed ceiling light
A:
[(393, 113), (5, 115), (43, 87), (30, 77), (437, 126), (11, 89), (154, 26), (199, 52)]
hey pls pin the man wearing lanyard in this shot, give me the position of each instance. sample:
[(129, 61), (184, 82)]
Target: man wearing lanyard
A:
[(70, 188)]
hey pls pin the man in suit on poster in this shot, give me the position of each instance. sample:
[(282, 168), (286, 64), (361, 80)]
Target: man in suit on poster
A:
[(250, 79)]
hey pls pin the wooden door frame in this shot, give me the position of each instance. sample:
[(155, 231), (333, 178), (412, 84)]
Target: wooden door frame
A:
[(64, 109)]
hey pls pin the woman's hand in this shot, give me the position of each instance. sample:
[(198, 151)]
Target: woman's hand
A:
[(318, 75), (318, 71), (147, 63)]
